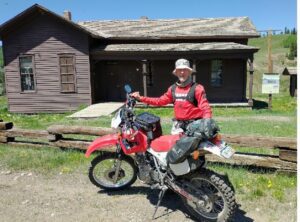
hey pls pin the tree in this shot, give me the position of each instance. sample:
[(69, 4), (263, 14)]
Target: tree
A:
[(293, 50), (285, 30)]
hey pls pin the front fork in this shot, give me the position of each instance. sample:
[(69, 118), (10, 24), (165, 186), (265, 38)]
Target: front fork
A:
[(117, 164)]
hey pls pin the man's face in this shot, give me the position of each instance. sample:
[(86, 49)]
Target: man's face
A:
[(182, 74)]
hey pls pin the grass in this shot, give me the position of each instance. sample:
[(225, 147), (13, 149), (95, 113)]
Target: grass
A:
[(252, 185), (46, 160)]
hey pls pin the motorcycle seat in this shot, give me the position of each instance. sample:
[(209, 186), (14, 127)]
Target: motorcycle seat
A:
[(164, 143)]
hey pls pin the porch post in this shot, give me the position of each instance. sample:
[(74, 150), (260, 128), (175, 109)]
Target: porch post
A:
[(195, 70), (145, 73), (251, 71), (92, 80)]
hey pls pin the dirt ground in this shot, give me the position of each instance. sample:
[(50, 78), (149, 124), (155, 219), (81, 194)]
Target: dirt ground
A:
[(27, 196)]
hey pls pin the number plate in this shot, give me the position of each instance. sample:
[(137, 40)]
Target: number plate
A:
[(227, 152)]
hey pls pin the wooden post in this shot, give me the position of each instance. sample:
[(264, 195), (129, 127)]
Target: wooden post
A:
[(6, 125), (251, 71), (270, 63), (195, 71), (93, 81), (145, 72)]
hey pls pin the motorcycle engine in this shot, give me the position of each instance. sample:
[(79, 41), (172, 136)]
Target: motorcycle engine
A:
[(144, 168)]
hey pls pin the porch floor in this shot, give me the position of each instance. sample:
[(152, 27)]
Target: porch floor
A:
[(96, 110)]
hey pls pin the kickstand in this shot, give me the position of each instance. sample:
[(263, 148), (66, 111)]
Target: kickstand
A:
[(160, 197)]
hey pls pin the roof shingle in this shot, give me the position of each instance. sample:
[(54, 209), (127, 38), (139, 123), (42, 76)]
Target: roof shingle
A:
[(237, 27)]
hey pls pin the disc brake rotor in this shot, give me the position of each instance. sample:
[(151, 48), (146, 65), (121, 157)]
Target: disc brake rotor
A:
[(110, 174)]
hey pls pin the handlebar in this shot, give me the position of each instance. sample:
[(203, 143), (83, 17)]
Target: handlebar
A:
[(131, 101)]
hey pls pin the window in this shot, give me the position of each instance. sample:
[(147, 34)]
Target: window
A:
[(67, 73), (27, 73), (216, 73)]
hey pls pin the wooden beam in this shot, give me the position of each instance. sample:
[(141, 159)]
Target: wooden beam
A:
[(145, 73), (77, 144), (6, 125), (254, 160), (172, 55), (28, 144), (270, 63), (195, 70), (261, 142), (71, 144), (288, 155), (251, 71), (36, 134), (3, 139), (84, 130)]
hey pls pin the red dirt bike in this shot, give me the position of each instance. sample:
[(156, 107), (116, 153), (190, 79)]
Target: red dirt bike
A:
[(141, 152)]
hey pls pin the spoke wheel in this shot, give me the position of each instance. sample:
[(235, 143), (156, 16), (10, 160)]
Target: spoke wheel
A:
[(108, 172), (216, 200)]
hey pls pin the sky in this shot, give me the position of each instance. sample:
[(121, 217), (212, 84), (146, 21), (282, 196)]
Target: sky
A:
[(265, 14)]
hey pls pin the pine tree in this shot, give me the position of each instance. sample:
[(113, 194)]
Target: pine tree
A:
[(293, 50)]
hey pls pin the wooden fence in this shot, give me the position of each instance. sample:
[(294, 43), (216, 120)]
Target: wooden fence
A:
[(61, 136)]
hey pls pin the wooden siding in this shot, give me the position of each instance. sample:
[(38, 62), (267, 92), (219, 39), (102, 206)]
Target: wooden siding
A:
[(46, 37), (233, 88), (162, 77), (113, 75)]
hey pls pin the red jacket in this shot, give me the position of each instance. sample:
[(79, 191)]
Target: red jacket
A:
[(183, 109)]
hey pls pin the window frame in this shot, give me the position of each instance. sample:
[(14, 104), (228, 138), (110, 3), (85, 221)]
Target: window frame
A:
[(33, 73), (211, 71), (60, 74)]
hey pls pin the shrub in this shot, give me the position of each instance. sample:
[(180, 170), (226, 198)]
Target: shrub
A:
[(287, 42)]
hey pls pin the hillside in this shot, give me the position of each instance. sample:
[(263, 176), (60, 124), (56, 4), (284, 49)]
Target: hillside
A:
[(1, 57), (1, 72), (279, 60)]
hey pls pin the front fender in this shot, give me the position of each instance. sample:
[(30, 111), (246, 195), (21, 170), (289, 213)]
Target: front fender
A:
[(101, 142)]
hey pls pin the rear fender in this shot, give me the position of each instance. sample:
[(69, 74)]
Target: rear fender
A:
[(221, 149), (101, 142)]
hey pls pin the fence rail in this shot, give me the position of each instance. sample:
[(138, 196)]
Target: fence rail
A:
[(55, 135)]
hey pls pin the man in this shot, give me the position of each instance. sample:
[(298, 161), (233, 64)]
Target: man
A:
[(189, 98)]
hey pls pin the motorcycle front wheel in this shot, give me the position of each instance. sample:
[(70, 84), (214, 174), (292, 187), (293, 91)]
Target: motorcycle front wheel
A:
[(110, 173), (216, 197)]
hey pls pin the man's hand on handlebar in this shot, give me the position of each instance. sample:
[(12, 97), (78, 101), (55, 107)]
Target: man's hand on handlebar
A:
[(136, 95)]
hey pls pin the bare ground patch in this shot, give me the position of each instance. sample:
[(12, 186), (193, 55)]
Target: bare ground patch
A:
[(27, 196)]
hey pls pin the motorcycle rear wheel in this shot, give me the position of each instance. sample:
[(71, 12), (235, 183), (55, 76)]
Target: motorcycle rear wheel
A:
[(219, 201), (102, 172)]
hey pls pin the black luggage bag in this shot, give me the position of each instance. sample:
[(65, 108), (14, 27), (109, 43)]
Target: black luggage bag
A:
[(150, 124)]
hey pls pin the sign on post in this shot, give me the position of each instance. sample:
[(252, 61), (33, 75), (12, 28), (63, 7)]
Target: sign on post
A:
[(270, 83)]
